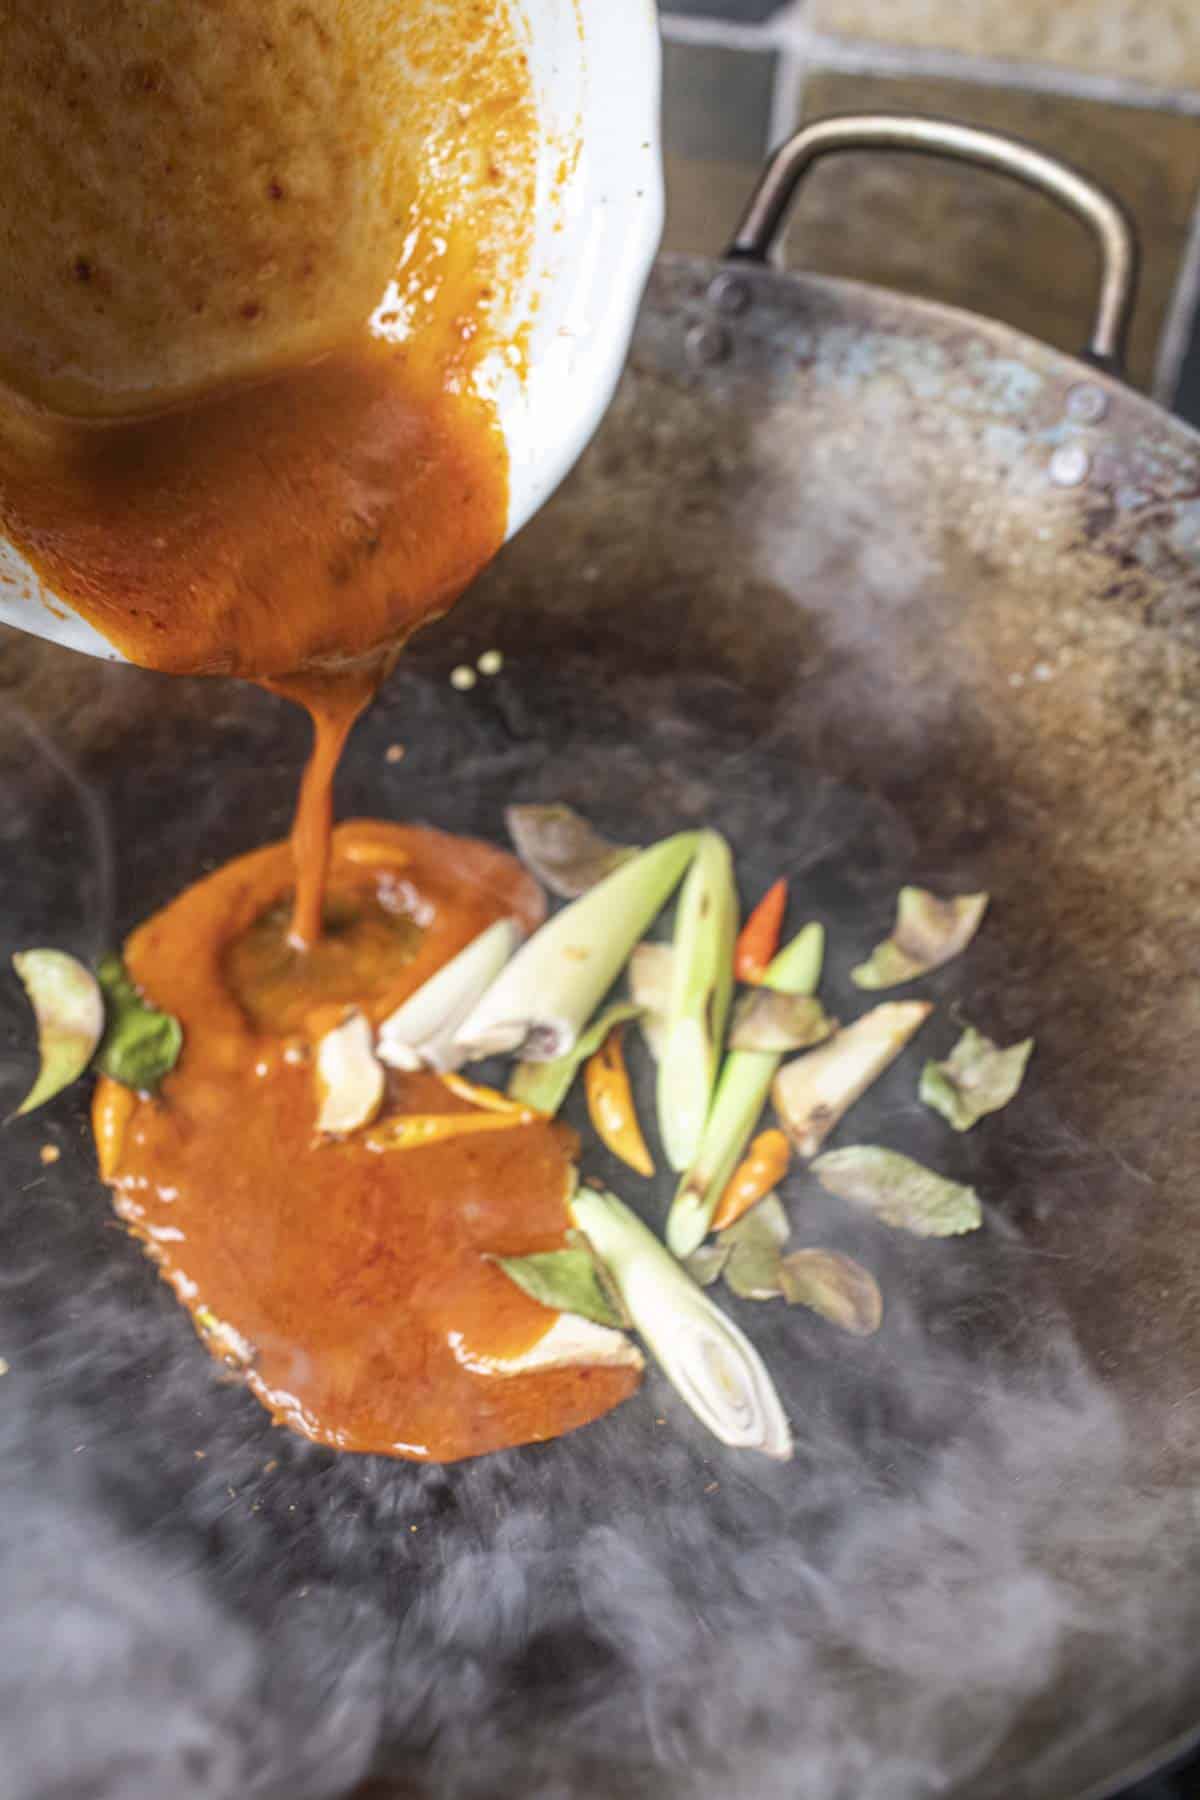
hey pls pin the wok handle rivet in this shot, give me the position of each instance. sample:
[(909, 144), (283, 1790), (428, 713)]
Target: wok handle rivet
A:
[(708, 343), (730, 295), (1069, 465), (1086, 403)]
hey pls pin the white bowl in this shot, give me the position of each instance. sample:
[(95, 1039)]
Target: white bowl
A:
[(596, 71)]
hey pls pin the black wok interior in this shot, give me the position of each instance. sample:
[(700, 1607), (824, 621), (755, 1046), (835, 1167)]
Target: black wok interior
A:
[(787, 593)]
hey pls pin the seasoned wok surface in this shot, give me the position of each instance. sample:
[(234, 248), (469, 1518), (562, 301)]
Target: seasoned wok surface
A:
[(824, 593)]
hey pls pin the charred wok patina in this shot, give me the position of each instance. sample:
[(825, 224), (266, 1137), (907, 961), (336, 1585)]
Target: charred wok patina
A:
[(829, 593)]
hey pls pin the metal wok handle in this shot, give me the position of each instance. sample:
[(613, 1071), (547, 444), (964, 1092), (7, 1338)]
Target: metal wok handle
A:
[(1091, 204)]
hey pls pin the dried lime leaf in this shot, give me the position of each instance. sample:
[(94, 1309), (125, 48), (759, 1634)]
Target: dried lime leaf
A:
[(976, 1078), (928, 932), (565, 1280), (899, 1191), (69, 1009), (754, 1245), (140, 1044), (562, 849), (835, 1286), (765, 1020), (706, 1264)]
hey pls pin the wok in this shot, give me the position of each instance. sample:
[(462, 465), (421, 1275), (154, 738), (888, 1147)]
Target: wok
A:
[(886, 592)]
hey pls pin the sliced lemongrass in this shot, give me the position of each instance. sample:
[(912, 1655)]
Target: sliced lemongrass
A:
[(816, 1090), (545, 996), (901, 1192), (140, 1044), (928, 932), (570, 1343), (69, 1009), (547, 1084), (650, 988), (976, 1078), (565, 1280), (416, 1131), (419, 1034), (711, 1364), (742, 1089), (755, 1245), (565, 853), (766, 1020), (349, 1077), (835, 1286), (701, 984)]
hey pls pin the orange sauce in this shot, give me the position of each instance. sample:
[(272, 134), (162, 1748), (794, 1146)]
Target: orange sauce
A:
[(351, 1287), (295, 532)]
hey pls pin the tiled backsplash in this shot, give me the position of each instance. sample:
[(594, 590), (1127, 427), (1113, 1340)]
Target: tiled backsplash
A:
[(1111, 85)]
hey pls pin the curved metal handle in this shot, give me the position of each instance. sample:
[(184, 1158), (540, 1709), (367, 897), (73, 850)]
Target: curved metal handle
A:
[(1082, 198)]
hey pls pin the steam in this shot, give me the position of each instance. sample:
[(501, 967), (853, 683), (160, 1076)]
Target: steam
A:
[(969, 1580)]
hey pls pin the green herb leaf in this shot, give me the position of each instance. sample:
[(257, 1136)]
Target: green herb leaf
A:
[(835, 1286), (754, 1245), (764, 1020), (701, 985), (976, 1078), (546, 1085), (742, 1089), (565, 1280), (140, 1045), (928, 932), (562, 849), (900, 1192), (69, 1010)]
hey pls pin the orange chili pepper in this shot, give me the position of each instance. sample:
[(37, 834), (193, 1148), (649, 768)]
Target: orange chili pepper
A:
[(112, 1109), (489, 1098), (764, 1165), (759, 938), (413, 1131), (610, 1104)]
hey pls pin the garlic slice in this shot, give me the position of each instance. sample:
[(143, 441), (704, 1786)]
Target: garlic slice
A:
[(350, 1078), (570, 1343)]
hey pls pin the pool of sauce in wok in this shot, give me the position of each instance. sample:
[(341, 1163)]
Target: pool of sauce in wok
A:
[(296, 532)]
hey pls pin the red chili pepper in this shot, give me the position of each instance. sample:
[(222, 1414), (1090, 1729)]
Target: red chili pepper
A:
[(759, 938)]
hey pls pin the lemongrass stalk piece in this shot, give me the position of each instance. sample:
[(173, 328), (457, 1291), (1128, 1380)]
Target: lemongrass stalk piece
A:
[(650, 988), (69, 1009), (899, 1191), (545, 996), (742, 1089), (836, 1287), (928, 932), (349, 1077), (420, 1033), (812, 1093), (976, 1078), (765, 1020), (711, 1364), (565, 853), (547, 1084), (797, 968), (701, 984)]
